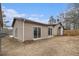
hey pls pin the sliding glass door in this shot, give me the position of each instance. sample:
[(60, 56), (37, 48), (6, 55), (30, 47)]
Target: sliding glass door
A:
[(37, 32)]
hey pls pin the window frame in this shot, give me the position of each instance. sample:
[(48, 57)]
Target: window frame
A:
[(49, 31), (38, 30)]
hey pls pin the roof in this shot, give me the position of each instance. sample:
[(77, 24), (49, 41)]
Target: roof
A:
[(30, 21)]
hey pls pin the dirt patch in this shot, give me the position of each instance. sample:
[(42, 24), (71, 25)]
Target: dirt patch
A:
[(56, 46)]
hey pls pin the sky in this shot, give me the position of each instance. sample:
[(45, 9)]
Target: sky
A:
[(39, 12)]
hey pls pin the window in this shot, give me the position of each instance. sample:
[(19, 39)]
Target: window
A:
[(49, 31), (37, 32)]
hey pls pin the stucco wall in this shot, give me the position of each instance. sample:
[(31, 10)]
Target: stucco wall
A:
[(19, 26), (55, 32), (28, 31)]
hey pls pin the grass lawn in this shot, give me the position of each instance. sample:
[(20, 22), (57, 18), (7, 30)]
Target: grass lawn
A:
[(60, 46)]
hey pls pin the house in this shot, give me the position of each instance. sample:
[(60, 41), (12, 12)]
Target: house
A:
[(70, 19), (24, 29)]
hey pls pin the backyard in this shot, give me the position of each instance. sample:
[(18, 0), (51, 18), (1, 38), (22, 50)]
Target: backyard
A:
[(56, 46)]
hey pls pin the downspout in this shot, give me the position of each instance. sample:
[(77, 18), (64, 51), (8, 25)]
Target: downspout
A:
[(23, 30)]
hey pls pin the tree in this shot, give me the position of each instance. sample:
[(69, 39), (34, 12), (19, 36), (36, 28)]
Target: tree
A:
[(2, 34), (74, 5), (4, 19), (51, 20), (71, 16)]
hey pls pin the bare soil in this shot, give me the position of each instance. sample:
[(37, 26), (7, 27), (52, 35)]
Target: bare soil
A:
[(56, 46)]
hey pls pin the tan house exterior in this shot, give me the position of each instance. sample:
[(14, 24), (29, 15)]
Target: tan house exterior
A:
[(24, 29)]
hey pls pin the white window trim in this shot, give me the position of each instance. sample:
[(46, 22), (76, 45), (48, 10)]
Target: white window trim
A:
[(37, 30), (52, 32)]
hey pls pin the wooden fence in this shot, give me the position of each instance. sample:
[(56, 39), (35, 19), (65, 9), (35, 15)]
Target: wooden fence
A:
[(71, 32)]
